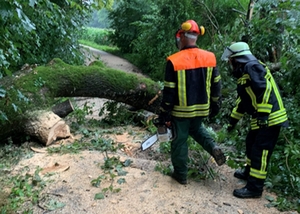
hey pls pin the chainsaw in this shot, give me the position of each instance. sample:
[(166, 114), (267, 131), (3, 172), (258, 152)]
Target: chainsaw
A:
[(164, 134)]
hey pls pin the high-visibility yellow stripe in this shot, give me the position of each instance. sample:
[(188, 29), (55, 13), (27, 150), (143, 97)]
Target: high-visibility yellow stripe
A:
[(182, 87), (208, 82), (217, 78), (268, 90), (248, 161), (197, 107), (258, 174), (236, 115), (274, 86), (275, 118), (252, 96), (264, 161), (234, 112), (267, 108), (262, 172), (169, 84), (243, 79), (203, 113)]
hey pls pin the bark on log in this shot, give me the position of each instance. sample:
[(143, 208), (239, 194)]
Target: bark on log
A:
[(46, 126), (63, 109)]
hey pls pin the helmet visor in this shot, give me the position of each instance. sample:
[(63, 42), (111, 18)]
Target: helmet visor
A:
[(230, 53), (227, 53)]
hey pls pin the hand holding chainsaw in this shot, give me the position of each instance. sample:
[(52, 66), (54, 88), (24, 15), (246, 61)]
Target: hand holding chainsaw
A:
[(164, 131), (164, 118)]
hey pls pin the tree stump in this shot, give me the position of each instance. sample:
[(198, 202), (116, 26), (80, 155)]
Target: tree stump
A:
[(46, 126)]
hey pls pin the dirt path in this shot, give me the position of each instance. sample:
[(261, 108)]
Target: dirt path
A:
[(145, 191)]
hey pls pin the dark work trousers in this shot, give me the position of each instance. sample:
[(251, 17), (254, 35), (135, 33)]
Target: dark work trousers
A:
[(184, 127), (260, 144)]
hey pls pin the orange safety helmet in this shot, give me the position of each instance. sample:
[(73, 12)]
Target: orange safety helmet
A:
[(190, 26)]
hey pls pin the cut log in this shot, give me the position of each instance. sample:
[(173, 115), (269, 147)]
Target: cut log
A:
[(46, 126), (63, 109)]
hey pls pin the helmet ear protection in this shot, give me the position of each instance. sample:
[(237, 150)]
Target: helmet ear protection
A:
[(202, 30)]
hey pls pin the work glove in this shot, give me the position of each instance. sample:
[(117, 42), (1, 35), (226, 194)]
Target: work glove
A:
[(262, 120), (214, 109), (231, 124), (164, 117)]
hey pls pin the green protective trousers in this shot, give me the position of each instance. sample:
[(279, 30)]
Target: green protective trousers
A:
[(183, 128)]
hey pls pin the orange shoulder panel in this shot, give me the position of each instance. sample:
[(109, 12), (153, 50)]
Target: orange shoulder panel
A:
[(192, 58)]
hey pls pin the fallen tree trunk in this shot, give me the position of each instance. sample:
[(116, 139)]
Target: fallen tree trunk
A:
[(37, 88)]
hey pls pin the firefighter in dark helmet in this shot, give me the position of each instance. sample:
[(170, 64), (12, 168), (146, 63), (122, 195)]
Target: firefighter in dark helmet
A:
[(192, 90), (258, 96)]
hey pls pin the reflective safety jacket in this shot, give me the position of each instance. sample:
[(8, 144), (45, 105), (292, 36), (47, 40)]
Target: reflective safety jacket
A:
[(258, 94), (191, 83)]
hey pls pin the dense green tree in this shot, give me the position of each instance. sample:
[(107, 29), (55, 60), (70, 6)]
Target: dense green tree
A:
[(35, 31), (122, 19)]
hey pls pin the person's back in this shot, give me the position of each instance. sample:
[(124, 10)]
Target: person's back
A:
[(196, 80), (192, 91)]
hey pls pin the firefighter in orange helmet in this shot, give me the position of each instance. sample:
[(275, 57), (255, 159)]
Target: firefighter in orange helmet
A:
[(192, 91)]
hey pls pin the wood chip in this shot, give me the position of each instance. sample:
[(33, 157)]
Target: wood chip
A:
[(42, 150), (55, 168)]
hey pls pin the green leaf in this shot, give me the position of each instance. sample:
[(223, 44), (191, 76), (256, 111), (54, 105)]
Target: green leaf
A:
[(127, 162), (53, 205), (99, 196), (3, 116), (270, 198), (121, 181), (32, 3), (5, 10), (15, 107), (2, 93), (7, 71)]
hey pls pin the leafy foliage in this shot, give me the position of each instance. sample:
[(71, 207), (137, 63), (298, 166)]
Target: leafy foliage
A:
[(122, 18), (26, 187), (97, 35)]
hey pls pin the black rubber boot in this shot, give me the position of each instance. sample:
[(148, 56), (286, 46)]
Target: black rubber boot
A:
[(246, 193), (178, 179), (253, 188), (242, 173)]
